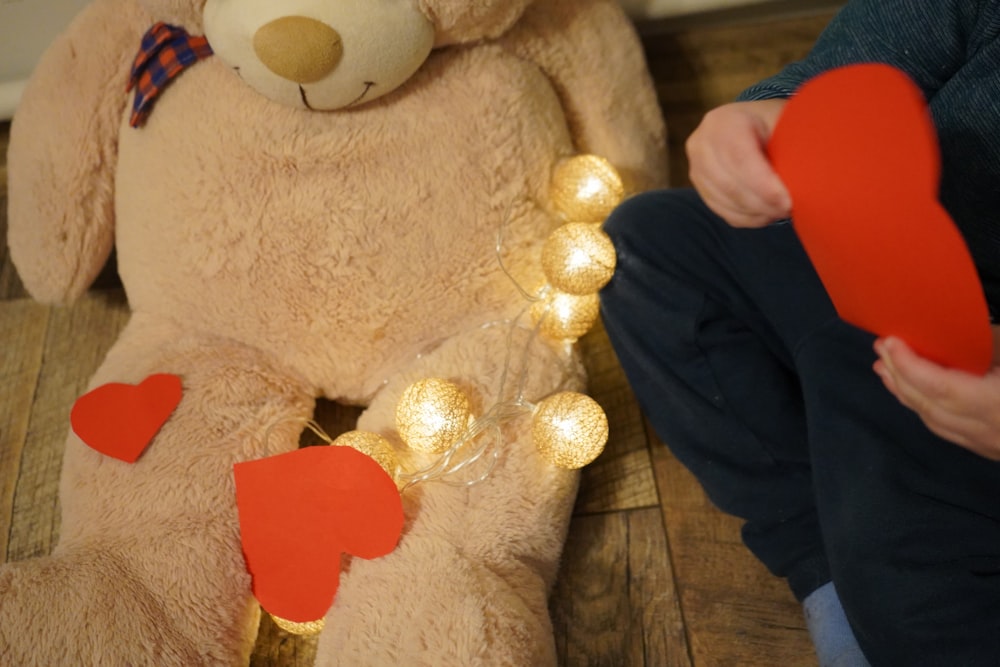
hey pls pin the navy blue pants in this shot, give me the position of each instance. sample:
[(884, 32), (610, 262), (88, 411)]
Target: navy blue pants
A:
[(743, 368)]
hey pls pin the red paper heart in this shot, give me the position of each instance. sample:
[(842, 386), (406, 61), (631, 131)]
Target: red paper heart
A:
[(858, 152), (120, 420), (300, 511)]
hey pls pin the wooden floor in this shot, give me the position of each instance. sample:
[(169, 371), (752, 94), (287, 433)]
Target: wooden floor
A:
[(653, 575)]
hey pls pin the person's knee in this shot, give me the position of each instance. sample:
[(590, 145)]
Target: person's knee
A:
[(660, 229), (636, 216), (922, 625), (649, 216), (906, 605)]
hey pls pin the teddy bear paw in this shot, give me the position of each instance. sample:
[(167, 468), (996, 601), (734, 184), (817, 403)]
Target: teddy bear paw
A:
[(444, 608)]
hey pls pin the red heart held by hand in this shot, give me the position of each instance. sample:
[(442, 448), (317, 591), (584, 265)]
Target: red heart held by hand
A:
[(858, 152), (300, 511), (120, 420)]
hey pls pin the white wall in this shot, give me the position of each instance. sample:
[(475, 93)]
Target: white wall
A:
[(26, 29)]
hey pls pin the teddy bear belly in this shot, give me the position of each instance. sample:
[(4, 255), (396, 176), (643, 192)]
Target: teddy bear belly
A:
[(343, 313), (344, 243)]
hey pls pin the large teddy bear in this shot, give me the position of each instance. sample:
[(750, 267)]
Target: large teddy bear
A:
[(306, 201)]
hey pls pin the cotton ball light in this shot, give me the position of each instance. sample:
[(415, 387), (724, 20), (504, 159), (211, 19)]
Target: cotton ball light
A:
[(564, 316), (432, 414), (569, 429), (585, 188), (304, 629), (578, 258), (372, 445)]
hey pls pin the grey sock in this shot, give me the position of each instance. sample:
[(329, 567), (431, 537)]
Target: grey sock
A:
[(830, 632)]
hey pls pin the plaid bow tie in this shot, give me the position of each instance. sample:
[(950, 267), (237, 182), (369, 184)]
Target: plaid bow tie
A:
[(164, 52)]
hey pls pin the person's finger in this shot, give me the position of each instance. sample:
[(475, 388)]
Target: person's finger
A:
[(903, 392), (739, 203), (961, 392), (957, 427), (730, 169)]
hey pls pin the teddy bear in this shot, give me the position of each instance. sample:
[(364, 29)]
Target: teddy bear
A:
[(312, 200)]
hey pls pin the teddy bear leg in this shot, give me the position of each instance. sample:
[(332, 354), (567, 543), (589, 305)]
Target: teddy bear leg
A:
[(149, 568), (439, 601), (468, 584)]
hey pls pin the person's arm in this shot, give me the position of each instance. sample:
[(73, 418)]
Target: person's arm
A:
[(956, 405), (929, 40)]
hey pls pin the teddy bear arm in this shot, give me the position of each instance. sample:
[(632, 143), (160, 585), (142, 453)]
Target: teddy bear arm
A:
[(591, 52), (62, 153)]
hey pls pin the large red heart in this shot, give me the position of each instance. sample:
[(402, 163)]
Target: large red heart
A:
[(300, 511), (120, 420), (858, 152)]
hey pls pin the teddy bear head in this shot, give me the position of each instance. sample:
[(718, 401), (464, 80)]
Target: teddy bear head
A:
[(334, 54)]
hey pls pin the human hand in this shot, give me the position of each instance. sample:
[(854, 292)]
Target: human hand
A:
[(729, 166), (958, 406)]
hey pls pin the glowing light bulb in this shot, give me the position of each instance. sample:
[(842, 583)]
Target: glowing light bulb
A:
[(373, 445), (564, 316), (304, 629), (585, 188), (569, 429), (431, 415), (578, 258)]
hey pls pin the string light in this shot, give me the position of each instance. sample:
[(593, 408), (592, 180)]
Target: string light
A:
[(372, 444), (306, 629), (586, 188), (431, 415), (564, 316), (578, 258), (569, 429)]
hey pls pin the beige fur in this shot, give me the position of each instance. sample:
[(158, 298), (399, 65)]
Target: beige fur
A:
[(272, 255)]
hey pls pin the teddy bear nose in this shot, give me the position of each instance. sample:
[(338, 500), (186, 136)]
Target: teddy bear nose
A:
[(298, 48)]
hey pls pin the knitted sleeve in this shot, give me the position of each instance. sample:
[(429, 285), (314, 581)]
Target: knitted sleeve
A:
[(928, 39)]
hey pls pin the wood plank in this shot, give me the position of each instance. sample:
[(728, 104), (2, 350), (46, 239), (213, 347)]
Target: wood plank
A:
[(736, 612), (277, 648), (10, 284), (614, 603), (4, 142), (333, 418), (75, 343), (653, 596), (622, 476), (22, 335)]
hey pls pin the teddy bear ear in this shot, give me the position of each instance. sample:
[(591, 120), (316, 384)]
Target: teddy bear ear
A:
[(460, 21), (183, 13)]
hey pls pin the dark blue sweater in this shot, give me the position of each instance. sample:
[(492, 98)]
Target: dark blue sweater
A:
[(951, 49)]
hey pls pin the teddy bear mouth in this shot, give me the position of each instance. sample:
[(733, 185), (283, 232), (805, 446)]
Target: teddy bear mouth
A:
[(356, 100), (305, 100)]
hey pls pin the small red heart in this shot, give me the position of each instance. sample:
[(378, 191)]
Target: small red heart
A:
[(858, 152), (300, 511), (120, 420)]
